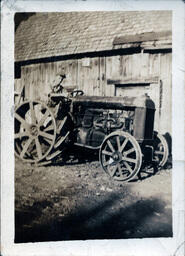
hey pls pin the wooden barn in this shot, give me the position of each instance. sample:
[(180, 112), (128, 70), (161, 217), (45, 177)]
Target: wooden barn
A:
[(101, 53)]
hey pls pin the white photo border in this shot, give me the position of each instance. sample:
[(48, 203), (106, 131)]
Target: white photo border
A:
[(128, 247)]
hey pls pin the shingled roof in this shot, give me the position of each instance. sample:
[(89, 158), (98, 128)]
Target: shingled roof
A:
[(57, 34)]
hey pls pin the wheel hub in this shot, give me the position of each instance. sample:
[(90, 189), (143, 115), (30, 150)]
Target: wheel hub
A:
[(34, 130), (117, 157)]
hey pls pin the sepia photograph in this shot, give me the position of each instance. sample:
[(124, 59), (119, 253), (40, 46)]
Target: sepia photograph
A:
[(93, 125), (92, 128)]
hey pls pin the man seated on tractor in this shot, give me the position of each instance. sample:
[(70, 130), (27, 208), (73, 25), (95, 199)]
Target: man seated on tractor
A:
[(56, 86)]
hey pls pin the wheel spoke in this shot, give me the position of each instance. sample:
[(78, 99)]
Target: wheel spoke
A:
[(33, 117), (110, 146), (129, 169), (25, 147), (105, 152), (21, 134), (18, 148), (118, 143), (49, 128), (106, 163), (129, 151), (62, 124), (124, 144), (158, 153), (22, 121), (113, 171), (128, 159), (46, 135), (38, 147), (120, 170), (47, 140), (44, 117), (109, 162)]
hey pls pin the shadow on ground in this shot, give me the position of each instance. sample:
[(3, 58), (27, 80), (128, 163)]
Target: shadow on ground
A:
[(76, 155), (103, 220)]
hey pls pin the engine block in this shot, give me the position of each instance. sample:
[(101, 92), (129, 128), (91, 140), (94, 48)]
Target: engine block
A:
[(94, 124)]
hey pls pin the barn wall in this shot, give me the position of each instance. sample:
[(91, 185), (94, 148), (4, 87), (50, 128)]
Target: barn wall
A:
[(93, 76)]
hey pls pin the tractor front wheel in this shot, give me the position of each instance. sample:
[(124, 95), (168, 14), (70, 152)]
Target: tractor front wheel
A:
[(120, 156)]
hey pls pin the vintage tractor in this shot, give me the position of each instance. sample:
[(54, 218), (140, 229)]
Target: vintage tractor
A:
[(120, 128)]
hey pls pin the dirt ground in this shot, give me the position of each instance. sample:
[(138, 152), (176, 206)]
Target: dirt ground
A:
[(78, 200)]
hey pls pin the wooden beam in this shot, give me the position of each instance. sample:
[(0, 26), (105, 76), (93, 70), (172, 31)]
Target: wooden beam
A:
[(148, 36), (133, 80), (157, 47)]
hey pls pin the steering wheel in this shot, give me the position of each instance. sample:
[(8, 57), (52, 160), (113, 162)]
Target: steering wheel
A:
[(77, 93), (109, 123)]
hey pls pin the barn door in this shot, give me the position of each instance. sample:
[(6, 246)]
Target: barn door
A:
[(137, 90)]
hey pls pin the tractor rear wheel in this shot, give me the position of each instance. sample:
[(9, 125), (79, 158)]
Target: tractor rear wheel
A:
[(161, 151), (35, 131)]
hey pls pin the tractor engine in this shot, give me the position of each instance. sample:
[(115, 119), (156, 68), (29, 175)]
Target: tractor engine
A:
[(94, 124)]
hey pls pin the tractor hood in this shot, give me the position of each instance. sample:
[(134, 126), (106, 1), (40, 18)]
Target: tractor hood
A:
[(114, 102)]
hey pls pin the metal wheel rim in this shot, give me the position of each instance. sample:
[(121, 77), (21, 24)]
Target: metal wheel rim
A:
[(125, 155), (161, 150), (27, 125)]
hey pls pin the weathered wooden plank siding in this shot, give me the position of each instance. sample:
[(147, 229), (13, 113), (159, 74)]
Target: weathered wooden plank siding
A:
[(144, 65), (91, 75), (166, 104), (102, 76)]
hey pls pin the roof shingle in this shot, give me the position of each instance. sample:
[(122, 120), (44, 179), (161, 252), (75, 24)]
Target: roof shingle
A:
[(58, 34)]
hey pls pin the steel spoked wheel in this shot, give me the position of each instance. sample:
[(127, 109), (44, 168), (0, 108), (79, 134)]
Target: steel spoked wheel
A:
[(120, 156), (35, 131), (161, 151)]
